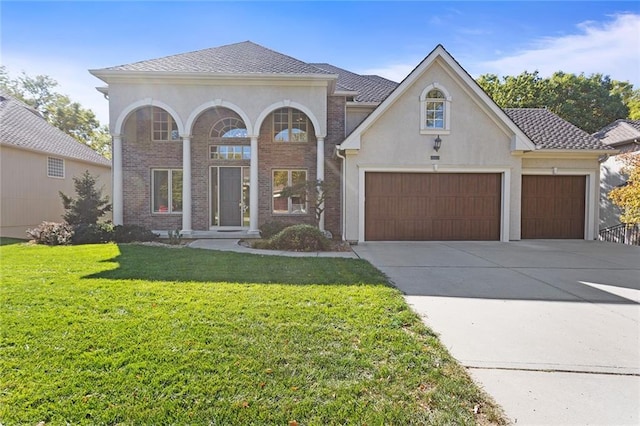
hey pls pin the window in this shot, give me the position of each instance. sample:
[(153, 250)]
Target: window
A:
[(164, 127), (55, 167), (290, 125), (166, 191), (230, 152), (434, 110), (230, 127), (296, 204)]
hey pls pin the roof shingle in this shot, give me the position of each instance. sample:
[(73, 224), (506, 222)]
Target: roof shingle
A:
[(370, 88), (549, 131), (619, 132), (238, 58), (22, 127)]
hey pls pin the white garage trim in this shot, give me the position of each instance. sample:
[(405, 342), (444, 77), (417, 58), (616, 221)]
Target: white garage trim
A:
[(436, 168), (592, 193)]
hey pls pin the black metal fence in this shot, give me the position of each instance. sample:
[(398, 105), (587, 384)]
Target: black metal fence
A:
[(622, 233)]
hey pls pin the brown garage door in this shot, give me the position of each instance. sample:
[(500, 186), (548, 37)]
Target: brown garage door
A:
[(432, 206), (553, 206)]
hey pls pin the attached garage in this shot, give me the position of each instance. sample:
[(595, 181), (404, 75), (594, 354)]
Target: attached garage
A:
[(432, 206), (553, 206)]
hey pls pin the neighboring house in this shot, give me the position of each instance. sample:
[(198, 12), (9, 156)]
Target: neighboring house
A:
[(37, 161), (624, 136), (204, 141)]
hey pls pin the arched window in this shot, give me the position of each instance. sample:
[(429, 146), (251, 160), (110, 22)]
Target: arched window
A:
[(435, 110), (290, 125), (230, 127)]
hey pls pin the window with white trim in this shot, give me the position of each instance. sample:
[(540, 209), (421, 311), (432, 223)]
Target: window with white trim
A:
[(290, 125), (296, 204), (230, 127), (55, 167), (435, 110), (230, 152), (166, 191), (164, 127)]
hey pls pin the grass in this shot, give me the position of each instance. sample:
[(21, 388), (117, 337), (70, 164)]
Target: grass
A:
[(131, 334)]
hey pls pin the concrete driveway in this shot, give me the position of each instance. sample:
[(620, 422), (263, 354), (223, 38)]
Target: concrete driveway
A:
[(550, 329)]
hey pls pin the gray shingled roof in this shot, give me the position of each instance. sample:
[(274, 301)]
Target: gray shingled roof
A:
[(619, 132), (370, 88), (238, 58), (22, 127), (548, 131)]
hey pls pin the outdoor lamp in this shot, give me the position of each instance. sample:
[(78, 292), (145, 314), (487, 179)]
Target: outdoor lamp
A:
[(437, 143)]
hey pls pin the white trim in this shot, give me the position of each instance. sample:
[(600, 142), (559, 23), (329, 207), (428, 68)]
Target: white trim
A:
[(505, 196), (591, 196), (286, 103), (143, 103), (219, 103), (213, 227), (521, 141), (186, 185), (424, 130)]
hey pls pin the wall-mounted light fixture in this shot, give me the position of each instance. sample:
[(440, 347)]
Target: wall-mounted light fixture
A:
[(437, 143)]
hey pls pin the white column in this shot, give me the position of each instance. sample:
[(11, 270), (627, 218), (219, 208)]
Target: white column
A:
[(117, 181), (186, 185), (253, 187), (320, 172)]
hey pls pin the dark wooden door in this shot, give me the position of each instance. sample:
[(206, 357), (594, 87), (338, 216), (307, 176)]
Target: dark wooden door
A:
[(230, 196), (553, 206), (432, 206)]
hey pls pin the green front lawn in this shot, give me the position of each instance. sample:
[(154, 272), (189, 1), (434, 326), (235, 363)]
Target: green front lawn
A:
[(132, 334)]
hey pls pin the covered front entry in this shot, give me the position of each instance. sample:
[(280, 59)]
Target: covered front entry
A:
[(229, 196), (432, 206), (553, 206)]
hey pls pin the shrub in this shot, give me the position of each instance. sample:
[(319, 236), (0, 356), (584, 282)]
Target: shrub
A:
[(131, 233), (299, 238), (270, 229), (52, 233), (89, 206), (92, 233), (175, 237)]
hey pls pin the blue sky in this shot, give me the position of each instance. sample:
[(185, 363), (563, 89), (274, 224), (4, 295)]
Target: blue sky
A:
[(65, 39)]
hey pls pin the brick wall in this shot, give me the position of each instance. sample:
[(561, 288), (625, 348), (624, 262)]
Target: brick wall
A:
[(141, 155)]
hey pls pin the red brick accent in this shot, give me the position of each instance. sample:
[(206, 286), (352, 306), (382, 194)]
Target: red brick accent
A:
[(141, 155)]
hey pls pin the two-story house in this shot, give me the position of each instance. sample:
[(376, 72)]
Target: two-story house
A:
[(205, 141)]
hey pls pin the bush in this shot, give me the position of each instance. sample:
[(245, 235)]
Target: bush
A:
[(270, 229), (52, 233), (92, 233), (131, 233), (299, 238)]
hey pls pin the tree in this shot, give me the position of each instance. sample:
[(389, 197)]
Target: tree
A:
[(312, 191), (590, 102), (627, 196), (70, 117), (89, 206)]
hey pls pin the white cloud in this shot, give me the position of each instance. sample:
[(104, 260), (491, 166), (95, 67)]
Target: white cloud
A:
[(73, 80), (611, 48), (394, 72)]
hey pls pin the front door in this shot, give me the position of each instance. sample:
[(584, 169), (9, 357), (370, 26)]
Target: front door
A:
[(230, 195)]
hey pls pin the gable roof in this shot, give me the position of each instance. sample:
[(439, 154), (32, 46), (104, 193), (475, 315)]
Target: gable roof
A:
[(549, 131), (619, 132), (238, 58), (22, 127), (369, 88), (520, 140)]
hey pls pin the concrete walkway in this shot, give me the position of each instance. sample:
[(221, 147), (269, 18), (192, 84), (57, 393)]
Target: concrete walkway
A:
[(551, 329), (233, 245)]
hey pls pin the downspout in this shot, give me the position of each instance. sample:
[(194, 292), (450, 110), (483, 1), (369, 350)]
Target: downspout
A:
[(343, 191)]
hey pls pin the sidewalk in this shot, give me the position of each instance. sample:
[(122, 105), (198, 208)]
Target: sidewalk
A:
[(233, 245)]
